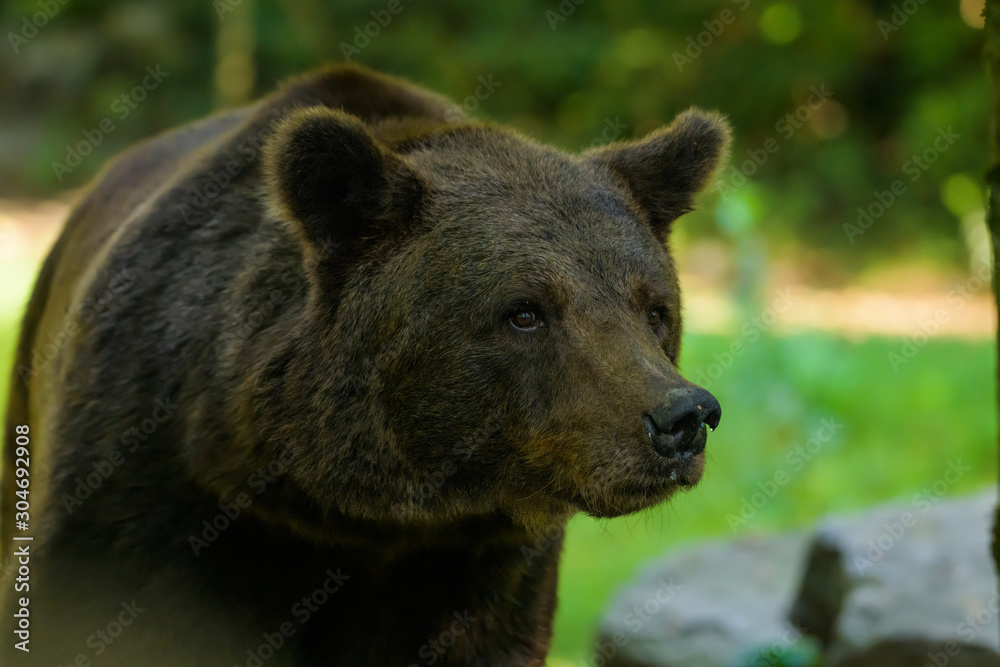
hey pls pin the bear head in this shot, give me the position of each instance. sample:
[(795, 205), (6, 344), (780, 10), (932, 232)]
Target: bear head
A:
[(493, 324)]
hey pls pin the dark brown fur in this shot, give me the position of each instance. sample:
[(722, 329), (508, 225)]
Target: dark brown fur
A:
[(322, 282)]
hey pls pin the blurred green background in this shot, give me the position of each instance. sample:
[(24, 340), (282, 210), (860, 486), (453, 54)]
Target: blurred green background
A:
[(562, 80), (579, 74)]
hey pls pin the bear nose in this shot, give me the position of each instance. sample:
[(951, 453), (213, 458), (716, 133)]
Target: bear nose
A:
[(675, 426)]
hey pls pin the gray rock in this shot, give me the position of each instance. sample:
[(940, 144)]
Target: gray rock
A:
[(905, 585), (717, 605)]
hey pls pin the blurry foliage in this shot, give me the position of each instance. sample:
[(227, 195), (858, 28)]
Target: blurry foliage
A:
[(564, 78)]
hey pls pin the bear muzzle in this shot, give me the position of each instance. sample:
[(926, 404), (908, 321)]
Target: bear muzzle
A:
[(678, 427)]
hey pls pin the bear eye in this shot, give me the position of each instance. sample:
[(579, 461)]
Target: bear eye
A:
[(527, 320), (655, 317)]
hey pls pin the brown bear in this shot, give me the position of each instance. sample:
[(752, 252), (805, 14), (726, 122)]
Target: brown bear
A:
[(319, 381)]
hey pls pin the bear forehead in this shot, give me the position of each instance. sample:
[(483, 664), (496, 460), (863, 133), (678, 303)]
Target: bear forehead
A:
[(494, 162), (503, 213), (499, 183), (490, 249)]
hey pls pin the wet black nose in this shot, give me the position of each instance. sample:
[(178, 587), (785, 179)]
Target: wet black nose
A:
[(676, 426)]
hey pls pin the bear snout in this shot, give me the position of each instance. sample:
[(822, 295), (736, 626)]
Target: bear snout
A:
[(676, 427)]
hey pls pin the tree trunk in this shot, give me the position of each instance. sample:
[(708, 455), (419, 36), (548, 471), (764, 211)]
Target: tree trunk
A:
[(235, 71), (992, 52)]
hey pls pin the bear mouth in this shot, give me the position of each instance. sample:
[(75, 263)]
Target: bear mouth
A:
[(628, 494)]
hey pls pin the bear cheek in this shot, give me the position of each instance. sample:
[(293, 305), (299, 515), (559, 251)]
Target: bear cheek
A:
[(569, 451)]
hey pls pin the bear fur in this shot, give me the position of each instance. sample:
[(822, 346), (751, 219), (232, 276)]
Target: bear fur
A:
[(320, 381)]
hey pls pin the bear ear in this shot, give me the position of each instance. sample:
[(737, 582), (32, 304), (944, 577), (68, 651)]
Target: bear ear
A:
[(667, 168), (325, 171)]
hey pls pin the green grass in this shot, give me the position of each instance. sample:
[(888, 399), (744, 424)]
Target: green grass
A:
[(899, 430)]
